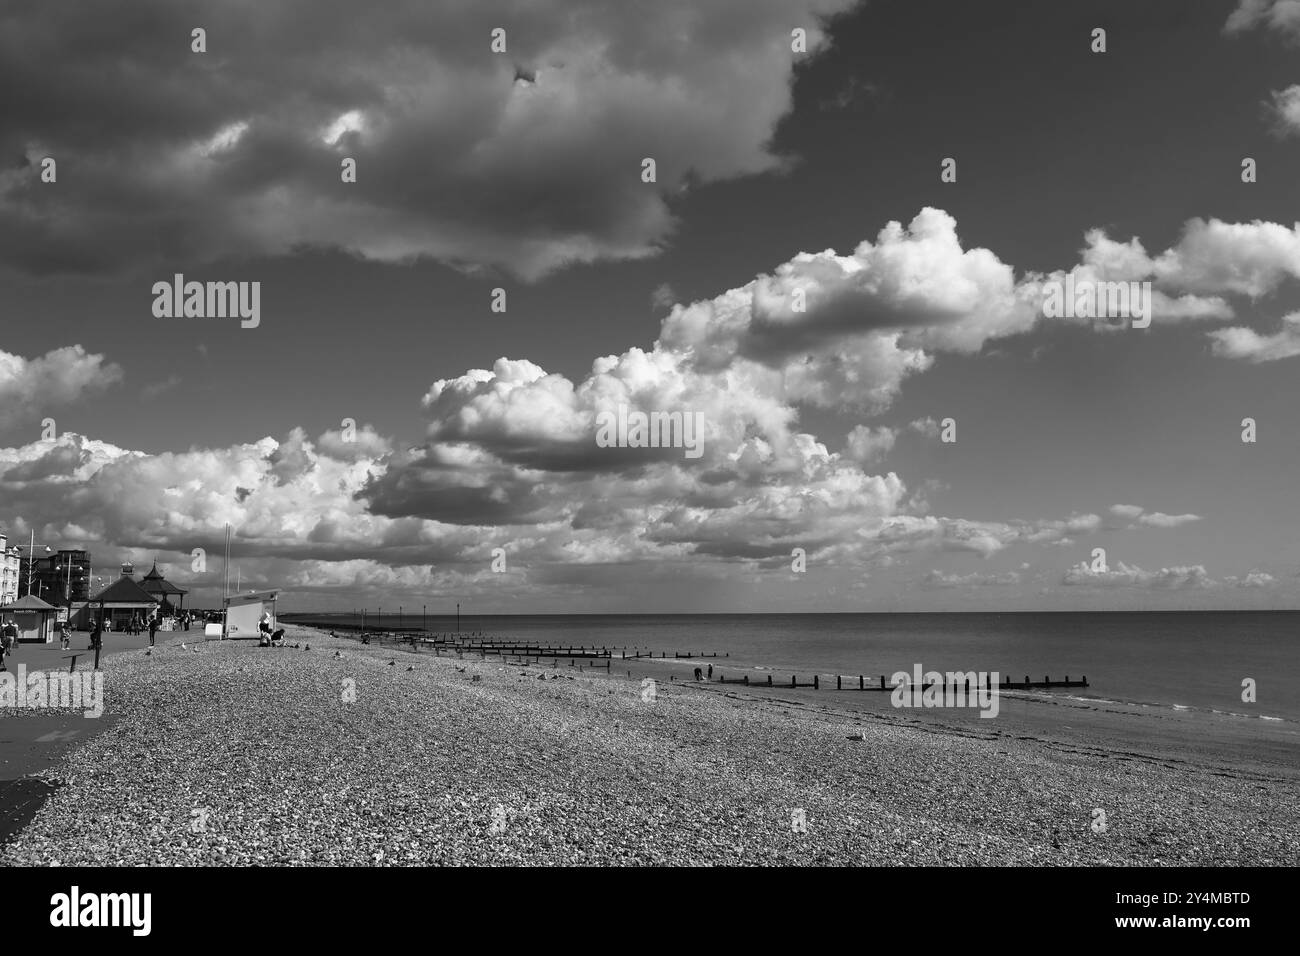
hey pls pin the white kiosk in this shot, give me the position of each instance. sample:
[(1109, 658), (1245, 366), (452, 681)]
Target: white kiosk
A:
[(243, 611)]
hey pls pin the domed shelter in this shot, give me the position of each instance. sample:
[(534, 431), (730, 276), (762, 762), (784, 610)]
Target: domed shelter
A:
[(169, 597)]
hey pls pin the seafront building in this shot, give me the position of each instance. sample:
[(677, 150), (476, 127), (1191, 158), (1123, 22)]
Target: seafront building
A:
[(10, 568), (122, 600)]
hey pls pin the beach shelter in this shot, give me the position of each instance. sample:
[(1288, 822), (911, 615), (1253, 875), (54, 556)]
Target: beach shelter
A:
[(170, 598), (243, 611), (124, 599), (34, 617)]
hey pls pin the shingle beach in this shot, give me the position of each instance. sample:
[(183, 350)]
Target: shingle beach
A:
[(226, 753)]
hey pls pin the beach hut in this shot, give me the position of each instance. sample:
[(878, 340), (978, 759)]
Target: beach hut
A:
[(34, 617), (243, 611)]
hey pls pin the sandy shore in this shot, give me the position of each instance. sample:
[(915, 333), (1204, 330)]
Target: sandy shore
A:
[(227, 753)]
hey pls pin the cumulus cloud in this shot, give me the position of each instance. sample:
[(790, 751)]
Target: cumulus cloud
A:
[(1257, 579), (849, 329), (1131, 576), (1216, 257), (32, 388), (1190, 280), (907, 532), (1151, 519), (866, 444), (1282, 16), (525, 161), (937, 579), (1156, 519), (1239, 342), (924, 426), (1284, 105)]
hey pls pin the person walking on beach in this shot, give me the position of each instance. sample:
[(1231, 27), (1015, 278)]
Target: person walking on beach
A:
[(153, 627), (698, 674), (65, 637), (710, 672), (9, 635)]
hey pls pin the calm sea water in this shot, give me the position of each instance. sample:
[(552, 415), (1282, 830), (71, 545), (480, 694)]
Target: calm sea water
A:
[(1191, 659)]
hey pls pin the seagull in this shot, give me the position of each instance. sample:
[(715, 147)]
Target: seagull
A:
[(337, 655), (411, 668), (391, 663), (307, 648), (183, 646)]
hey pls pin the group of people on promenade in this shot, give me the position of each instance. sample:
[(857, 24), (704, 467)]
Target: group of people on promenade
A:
[(8, 639), (100, 624)]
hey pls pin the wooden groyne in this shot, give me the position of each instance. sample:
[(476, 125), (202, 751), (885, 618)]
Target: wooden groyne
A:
[(600, 657), (862, 684)]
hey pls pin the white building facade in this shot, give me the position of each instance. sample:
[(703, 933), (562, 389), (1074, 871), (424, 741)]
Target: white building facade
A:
[(9, 569)]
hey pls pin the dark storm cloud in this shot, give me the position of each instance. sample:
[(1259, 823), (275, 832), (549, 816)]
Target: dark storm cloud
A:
[(526, 160)]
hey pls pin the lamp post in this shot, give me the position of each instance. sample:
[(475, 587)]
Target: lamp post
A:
[(67, 584)]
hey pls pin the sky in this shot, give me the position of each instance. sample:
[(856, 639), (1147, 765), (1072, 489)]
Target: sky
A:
[(801, 277)]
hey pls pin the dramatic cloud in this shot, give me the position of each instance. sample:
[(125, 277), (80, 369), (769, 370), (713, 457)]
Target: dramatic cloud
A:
[(30, 389), (846, 330), (1239, 342), (525, 160)]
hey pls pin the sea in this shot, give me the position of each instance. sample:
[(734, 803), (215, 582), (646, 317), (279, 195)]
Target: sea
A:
[(1197, 660)]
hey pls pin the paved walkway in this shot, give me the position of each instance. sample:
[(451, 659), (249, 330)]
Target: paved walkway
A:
[(33, 742)]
